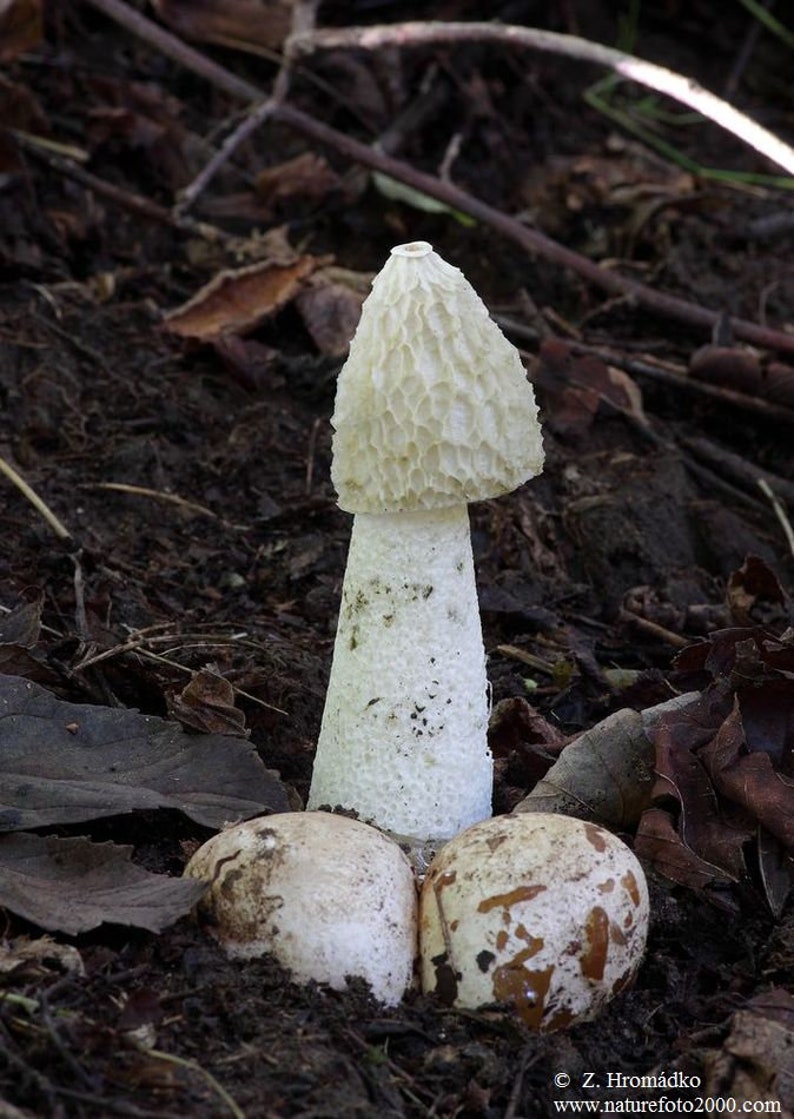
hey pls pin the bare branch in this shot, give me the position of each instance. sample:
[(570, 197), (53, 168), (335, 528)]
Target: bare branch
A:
[(674, 85), (529, 239)]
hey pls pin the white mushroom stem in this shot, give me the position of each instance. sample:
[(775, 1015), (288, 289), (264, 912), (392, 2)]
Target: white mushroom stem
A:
[(433, 411), (403, 738)]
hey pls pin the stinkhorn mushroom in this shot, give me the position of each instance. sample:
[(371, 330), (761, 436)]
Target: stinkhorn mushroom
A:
[(433, 410), (327, 896), (546, 913)]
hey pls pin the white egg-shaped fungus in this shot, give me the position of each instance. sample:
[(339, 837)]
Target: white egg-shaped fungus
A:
[(329, 897), (546, 913)]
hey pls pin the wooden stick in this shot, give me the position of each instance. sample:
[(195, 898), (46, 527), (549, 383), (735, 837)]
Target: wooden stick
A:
[(740, 471), (653, 629), (303, 14), (780, 512), (178, 50), (529, 239), (667, 374), (659, 78), (125, 199), (532, 240), (192, 507), (41, 507)]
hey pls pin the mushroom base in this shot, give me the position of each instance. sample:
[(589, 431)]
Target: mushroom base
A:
[(403, 740)]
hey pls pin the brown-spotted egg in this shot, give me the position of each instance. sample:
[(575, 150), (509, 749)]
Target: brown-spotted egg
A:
[(546, 913)]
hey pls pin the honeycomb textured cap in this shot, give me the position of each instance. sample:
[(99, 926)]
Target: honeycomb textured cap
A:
[(433, 407)]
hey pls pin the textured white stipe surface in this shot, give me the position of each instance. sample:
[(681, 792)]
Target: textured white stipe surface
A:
[(403, 737), (433, 407)]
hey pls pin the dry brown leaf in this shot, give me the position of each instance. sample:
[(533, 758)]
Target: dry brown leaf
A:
[(516, 726), (659, 843), (235, 302), (688, 835), (330, 306), (729, 367), (754, 592), (725, 785), (39, 956), (741, 369), (750, 779), (21, 27), (573, 387), (606, 774), (254, 26), (207, 704), (307, 175), (22, 625), (248, 361), (19, 635), (63, 763), (305, 181), (754, 1066), (629, 182), (73, 885), (736, 654)]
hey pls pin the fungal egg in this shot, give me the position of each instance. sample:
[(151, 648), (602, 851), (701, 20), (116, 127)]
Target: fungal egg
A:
[(545, 913), (327, 896)]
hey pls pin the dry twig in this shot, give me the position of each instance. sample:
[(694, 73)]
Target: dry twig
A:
[(124, 199), (738, 470), (531, 240), (659, 78), (302, 23), (41, 507), (664, 373), (192, 507), (653, 629), (779, 510)]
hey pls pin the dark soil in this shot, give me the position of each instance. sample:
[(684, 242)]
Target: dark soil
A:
[(618, 556)]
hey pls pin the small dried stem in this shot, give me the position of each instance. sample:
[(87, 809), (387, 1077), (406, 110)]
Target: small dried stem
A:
[(659, 78), (653, 629), (302, 24), (779, 511), (41, 507), (529, 239), (125, 199), (192, 507)]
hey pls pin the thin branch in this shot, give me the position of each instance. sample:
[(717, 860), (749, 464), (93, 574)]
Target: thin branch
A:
[(192, 507), (125, 199), (653, 629), (41, 507), (668, 374), (302, 24), (529, 239), (739, 470), (780, 512), (173, 47), (249, 124), (659, 78)]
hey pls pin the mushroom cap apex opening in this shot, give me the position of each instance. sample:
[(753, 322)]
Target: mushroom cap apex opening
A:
[(413, 249)]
